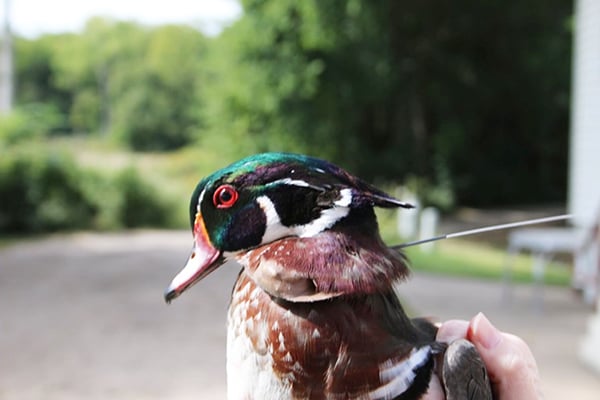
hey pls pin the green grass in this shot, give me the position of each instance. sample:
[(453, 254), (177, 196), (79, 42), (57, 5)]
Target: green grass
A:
[(470, 259), (10, 240), (462, 258)]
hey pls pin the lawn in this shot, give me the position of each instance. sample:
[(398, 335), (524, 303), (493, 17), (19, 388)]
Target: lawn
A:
[(461, 257)]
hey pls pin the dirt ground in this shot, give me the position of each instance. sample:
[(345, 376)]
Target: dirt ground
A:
[(82, 316)]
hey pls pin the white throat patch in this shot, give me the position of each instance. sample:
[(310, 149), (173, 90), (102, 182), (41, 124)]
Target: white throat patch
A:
[(276, 230)]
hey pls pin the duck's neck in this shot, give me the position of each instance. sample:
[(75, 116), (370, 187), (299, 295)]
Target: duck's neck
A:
[(348, 259)]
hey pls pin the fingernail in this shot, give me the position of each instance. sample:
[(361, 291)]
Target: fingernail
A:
[(482, 331), (452, 330)]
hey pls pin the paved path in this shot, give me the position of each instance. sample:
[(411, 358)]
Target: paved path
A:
[(82, 316)]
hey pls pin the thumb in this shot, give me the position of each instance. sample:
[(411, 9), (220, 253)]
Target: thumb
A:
[(511, 366)]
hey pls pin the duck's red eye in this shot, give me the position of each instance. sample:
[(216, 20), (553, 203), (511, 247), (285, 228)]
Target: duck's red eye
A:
[(225, 196)]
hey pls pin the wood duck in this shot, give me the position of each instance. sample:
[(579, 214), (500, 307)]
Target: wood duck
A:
[(313, 313)]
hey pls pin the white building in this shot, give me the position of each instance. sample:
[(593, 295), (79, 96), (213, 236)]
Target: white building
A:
[(584, 169), (584, 179)]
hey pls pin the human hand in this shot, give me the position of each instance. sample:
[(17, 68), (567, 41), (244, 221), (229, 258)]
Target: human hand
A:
[(511, 367)]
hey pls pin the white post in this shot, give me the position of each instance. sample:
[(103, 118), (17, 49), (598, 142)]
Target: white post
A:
[(428, 227), (408, 220), (6, 64)]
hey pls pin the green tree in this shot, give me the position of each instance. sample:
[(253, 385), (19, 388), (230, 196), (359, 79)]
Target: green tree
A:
[(474, 97), (156, 104), (87, 65), (36, 92), (137, 82)]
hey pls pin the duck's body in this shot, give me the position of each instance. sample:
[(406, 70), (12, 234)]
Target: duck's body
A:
[(313, 313), (340, 348)]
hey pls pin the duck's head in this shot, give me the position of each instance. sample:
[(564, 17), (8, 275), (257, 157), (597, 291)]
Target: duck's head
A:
[(303, 228)]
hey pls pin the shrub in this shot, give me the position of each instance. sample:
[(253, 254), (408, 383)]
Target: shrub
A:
[(42, 192), (29, 122), (140, 203), (152, 118)]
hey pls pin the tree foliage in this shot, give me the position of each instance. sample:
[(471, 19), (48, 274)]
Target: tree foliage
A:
[(471, 98), (475, 97), (119, 78)]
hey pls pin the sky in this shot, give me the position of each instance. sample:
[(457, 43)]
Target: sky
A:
[(31, 18)]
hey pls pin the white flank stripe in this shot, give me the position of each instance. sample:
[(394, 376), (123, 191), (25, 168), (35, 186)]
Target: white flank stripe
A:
[(399, 375)]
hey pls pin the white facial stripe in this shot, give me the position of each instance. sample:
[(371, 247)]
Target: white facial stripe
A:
[(399, 375), (346, 198), (290, 181), (200, 200), (275, 229), (328, 216)]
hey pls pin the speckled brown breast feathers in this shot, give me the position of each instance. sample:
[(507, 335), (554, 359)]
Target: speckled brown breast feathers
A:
[(329, 349)]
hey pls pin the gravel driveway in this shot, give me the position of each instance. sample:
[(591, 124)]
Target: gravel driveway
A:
[(82, 316)]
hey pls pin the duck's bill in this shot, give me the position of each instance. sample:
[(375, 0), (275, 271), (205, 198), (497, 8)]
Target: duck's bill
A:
[(204, 259)]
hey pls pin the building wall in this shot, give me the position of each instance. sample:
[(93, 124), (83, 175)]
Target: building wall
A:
[(584, 174)]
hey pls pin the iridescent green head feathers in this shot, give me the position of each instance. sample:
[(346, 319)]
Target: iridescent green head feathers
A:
[(271, 196)]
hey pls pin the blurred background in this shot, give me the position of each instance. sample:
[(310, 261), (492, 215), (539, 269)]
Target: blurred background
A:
[(111, 111)]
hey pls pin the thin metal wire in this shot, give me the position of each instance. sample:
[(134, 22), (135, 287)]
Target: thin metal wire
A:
[(486, 229)]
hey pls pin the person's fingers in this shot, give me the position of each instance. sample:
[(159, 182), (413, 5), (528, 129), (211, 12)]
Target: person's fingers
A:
[(511, 366), (452, 330)]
